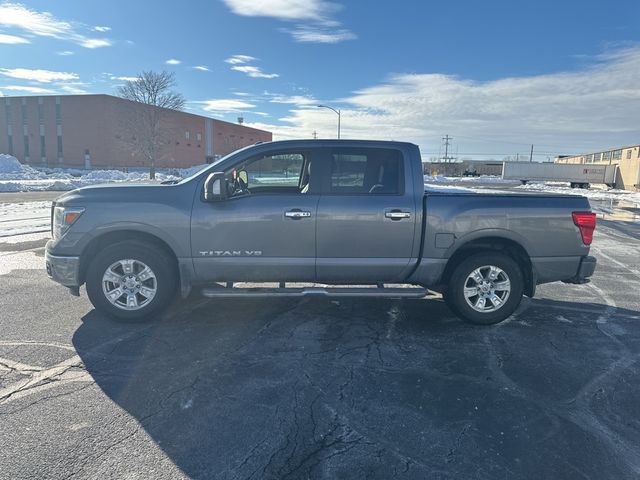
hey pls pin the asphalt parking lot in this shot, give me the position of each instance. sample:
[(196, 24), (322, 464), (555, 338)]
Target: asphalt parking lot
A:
[(323, 389)]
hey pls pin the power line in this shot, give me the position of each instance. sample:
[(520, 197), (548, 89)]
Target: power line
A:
[(447, 140)]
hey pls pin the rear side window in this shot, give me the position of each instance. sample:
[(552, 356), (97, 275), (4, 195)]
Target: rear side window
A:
[(372, 171)]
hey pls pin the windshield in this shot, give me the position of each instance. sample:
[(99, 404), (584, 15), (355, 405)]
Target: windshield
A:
[(204, 168)]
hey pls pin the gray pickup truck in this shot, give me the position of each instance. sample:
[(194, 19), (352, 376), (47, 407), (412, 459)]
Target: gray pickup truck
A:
[(316, 217)]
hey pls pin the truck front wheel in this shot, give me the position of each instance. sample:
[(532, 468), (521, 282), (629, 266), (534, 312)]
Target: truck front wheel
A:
[(130, 280), (485, 288)]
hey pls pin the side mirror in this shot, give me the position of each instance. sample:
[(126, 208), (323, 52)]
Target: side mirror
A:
[(215, 187)]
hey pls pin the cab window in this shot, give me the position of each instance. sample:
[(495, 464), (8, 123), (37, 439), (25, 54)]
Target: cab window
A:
[(270, 173), (372, 171)]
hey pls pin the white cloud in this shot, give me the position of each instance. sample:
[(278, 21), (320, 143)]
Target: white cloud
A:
[(65, 53), (314, 34), (95, 43), (225, 105), (71, 88), (240, 59), (565, 112), (283, 9), (37, 75), (294, 100), (239, 64), (44, 24), (123, 79), (28, 89), (173, 61), (202, 68), (320, 27), (12, 39), (253, 72), (102, 29)]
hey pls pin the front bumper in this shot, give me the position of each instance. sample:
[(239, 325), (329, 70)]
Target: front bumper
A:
[(64, 270), (585, 270)]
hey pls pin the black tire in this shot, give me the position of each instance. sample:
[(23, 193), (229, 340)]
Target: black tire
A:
[(454, 294), (155, 258)]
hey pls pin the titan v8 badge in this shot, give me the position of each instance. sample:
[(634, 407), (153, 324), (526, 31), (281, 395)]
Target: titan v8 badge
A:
[(231, 253)]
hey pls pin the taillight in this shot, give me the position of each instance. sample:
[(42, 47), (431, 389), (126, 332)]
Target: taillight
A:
[(586, 222)]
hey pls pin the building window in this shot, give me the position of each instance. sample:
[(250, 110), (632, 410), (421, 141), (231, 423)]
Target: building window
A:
[(199, 137), (606, 156), (617, 154), (187, 135), (596, 157), (628, 154), (588, 158)]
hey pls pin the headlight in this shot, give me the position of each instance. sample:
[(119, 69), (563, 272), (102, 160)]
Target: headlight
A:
[(63, 218)]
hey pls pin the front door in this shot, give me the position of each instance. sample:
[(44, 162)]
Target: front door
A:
[(366, 225), (265, 231)]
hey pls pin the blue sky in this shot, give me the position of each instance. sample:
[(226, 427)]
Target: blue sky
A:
[(495, 75)]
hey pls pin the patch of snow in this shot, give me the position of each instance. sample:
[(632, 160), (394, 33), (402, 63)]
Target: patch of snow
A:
[(17, 177), (478, 179), (23, 218), (9, 164), (593, 193)]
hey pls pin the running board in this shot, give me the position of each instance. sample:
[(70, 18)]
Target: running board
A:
[(221, 292)]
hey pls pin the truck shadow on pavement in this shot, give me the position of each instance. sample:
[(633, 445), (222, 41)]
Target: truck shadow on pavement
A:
[(359, 388)]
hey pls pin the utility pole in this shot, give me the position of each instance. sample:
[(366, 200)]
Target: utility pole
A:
[(447, 140), (531, 154), (315, 135)]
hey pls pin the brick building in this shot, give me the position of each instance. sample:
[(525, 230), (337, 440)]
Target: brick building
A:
[(95, 131), (627, 158)]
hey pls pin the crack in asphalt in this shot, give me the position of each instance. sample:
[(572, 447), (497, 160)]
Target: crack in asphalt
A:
[(583, 416)]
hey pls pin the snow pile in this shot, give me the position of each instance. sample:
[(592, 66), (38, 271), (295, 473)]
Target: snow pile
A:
[(9, 164), (17, 177), (120, 176), (12, 169)]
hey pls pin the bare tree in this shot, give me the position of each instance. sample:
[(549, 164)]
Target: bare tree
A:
[(145, 130)]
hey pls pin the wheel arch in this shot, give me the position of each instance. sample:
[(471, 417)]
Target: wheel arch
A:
[(494, 243), (125, 235)]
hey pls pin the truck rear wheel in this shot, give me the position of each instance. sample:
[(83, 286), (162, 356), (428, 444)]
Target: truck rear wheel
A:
[(131, 280), (485, 288)]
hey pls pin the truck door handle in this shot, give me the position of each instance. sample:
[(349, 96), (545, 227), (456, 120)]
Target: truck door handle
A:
[(297, 214), (397, 215)]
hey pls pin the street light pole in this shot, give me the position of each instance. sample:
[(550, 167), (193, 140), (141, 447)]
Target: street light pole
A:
[(337, 112)]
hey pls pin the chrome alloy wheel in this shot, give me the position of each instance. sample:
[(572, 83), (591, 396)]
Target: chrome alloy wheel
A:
[(129, 284), (487, 288)]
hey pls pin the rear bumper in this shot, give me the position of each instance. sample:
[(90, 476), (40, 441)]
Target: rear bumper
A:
[(585, 270), (64, 270)]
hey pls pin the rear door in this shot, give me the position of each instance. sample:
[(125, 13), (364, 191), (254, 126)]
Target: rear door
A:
[(366, 216)]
